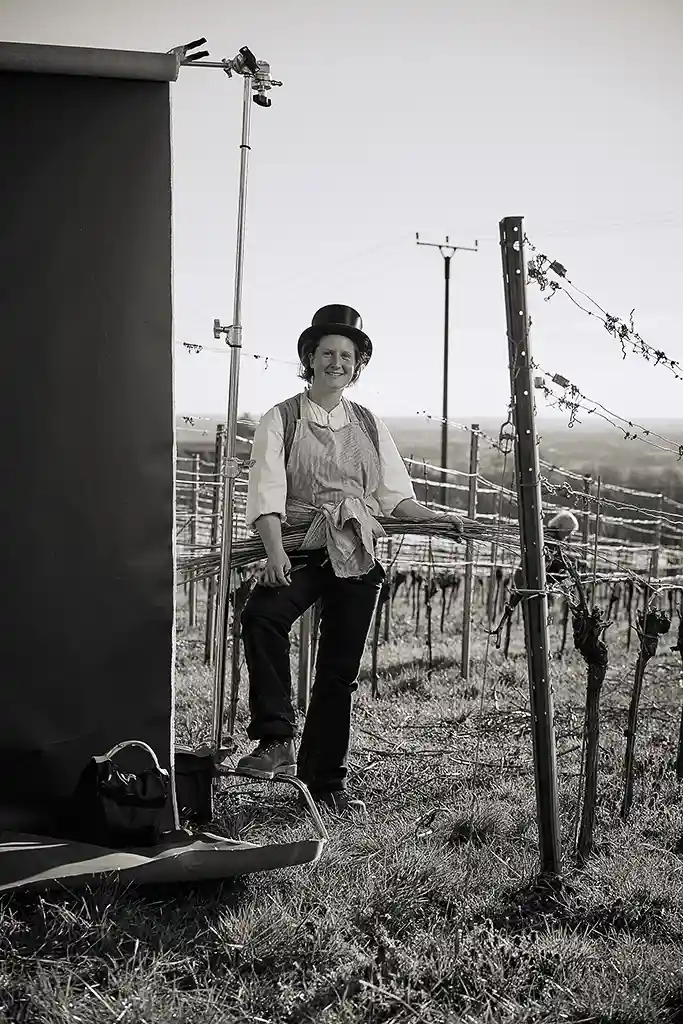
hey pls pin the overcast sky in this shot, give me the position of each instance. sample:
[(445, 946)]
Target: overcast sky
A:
[(437, 116)]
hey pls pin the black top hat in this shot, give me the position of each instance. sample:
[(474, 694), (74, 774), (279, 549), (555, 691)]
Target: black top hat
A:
[(337, 320)]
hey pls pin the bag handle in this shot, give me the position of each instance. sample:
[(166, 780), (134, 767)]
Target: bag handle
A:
[(132, 743)]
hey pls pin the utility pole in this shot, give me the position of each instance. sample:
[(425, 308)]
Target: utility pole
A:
[(535, 603), (447, 250)]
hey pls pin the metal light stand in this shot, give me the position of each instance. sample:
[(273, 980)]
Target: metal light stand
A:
[(256, 74), (257, 79)]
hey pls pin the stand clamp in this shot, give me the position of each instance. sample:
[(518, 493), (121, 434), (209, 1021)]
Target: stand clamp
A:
[(233, 334), (245, 63), (233, 466), (182, 53)]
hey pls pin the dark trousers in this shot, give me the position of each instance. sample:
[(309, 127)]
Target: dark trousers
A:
[(347, 606)]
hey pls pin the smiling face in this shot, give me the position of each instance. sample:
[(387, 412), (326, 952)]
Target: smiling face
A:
[(334, 361)]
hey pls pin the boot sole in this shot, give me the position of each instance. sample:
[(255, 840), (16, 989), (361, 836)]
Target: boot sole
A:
[(259, 773)]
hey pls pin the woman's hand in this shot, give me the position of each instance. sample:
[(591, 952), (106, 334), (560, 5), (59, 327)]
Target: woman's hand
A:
[(453, 519), (277, 570)]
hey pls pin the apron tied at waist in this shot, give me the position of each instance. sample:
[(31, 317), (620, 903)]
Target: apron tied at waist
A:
[(347, 530)]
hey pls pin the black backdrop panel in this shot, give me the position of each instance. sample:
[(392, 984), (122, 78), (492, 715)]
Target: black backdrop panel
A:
[(86, 400), (82, 60)]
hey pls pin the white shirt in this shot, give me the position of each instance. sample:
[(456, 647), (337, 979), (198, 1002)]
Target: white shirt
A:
[(267, 491)]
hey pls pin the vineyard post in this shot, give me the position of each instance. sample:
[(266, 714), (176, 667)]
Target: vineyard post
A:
[(428, 615), (389, 602), (469, 555), (375, 629), (194, 524), (219, 456), (679, 648), (490, 605), (585, 523), (596, 540), (535, 603), (654, 564)]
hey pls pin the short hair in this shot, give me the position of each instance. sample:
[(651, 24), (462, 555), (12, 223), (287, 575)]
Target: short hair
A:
[(309, 349)]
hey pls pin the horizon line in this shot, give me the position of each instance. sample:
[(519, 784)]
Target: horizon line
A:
[(473, 417)]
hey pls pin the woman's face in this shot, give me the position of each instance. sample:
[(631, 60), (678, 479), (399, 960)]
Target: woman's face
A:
[(334, 361)]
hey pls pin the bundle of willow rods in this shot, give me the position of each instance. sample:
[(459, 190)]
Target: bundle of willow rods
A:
[(192, 568)]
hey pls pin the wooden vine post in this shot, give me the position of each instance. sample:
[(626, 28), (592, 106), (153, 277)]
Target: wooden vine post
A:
[(650, 626), (417, 598), (194, 535), (219, 459), (535, 601), (596, 539), (382, 600), (494, 575), (654, 562), (453, 589), (469, 555), (389, 601), (679, 648), (429, 594), (585, 521), (241, 588)]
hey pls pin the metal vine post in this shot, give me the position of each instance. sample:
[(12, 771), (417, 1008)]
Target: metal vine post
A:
[(535, 603)]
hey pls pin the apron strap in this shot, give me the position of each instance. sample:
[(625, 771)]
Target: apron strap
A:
[(289, 411), (368, 422)]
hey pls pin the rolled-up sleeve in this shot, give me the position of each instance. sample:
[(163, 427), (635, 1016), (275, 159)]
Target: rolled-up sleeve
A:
[(267, 489), (395, 484)]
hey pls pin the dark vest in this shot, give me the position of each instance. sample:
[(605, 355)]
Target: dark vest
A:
[(289, 410)]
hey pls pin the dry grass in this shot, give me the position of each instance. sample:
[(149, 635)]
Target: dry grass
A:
[(434, 912)]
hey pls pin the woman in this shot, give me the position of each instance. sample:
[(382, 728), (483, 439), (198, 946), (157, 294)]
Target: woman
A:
[(319, 459)]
